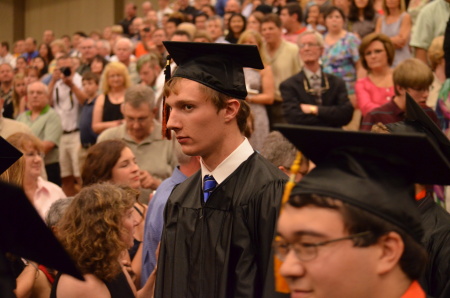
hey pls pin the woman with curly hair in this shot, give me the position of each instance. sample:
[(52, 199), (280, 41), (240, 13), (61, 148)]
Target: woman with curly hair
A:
[(96, 229), (112, 161)]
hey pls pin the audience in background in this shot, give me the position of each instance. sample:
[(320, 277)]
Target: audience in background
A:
[(381, 29)]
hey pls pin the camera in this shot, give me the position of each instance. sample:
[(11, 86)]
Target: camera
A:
[(66, 71)]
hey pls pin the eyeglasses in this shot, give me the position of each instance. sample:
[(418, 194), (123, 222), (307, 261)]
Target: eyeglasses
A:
[(138, 120), (33, 154), (309, 45), (307, 251)]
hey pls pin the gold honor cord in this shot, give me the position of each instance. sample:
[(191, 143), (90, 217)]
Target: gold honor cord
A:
[(295, 168), (280, 283)]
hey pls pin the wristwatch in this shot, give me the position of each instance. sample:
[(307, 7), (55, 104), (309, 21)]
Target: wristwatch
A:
[(313, 110)]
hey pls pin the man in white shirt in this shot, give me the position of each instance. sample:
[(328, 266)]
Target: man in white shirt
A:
[(66, 96), (5, 55)]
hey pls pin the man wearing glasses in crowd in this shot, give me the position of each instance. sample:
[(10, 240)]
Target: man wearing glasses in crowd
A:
[(351, 227), (312, 97), (142, 133)]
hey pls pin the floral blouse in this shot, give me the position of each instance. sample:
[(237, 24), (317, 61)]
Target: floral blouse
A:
[(340, 59)]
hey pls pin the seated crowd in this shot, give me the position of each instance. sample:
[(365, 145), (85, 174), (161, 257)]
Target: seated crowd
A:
[(86, 111)]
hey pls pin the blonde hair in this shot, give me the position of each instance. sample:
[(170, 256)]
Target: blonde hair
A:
[(60, 43), (402, 7), (16, 173), (120, 68), (436, 51)]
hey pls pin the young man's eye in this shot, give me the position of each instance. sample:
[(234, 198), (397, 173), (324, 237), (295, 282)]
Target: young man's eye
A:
[(188, 107)]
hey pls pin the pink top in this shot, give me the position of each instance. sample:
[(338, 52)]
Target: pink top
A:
[(370, 96), (46, 193)]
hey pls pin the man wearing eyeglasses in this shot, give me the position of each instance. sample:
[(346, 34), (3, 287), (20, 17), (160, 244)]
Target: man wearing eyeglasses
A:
[(142, 133), (351, 228), (312, 97)]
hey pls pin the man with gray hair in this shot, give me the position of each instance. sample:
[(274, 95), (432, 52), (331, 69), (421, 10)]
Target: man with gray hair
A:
[(88, 52), (103, 48), (45, 123), (56, 212), (282, 153), (123, 50), (142, 134), (214, 27), (312, 97)]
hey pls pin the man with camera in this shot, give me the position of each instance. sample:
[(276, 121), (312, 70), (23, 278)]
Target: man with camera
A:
[(66, 96)]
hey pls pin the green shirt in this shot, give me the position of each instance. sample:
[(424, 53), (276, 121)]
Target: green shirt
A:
[(154, 154), (430, 23), (47, 127)]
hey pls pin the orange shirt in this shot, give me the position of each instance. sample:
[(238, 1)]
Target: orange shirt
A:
[(414, 291), (140, 50)]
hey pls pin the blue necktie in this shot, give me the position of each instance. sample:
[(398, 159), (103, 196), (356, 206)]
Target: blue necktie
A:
[(209, 183)]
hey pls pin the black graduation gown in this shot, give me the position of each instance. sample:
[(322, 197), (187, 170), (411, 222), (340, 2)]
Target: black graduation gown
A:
[(436, 223), (221, 248)]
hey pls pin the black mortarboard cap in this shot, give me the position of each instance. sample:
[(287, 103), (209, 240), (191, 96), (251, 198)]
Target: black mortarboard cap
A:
[(8, 155), (216, 65), (23, 232), (416, 120), (374, 172)]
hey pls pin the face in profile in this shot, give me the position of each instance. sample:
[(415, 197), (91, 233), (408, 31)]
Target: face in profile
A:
[(195, 120), (126, 170)]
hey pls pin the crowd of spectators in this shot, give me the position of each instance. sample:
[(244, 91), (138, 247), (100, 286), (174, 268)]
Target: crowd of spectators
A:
[(324, 60)]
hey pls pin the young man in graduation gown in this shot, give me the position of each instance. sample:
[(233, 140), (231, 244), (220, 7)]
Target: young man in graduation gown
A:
[(435, 219), (351, 228), (219, 224)]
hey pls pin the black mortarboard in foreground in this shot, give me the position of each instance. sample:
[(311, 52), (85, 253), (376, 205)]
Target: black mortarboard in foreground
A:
[(374, 172), (8, 155), (216, 65), (416, 120), (23, 232)]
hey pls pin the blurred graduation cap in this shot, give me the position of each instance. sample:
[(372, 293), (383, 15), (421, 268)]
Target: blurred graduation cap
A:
[(23, 232), (417, 121), (8, 155), (215, 65), (374, 172)]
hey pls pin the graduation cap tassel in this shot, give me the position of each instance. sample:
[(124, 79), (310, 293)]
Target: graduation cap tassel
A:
[(168, 73), (280, 283)]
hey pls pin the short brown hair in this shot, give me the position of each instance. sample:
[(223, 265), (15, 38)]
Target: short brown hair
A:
[(90, 76), (367, 41), (272, 18), (100, 161), (412, 73), (217, 98)]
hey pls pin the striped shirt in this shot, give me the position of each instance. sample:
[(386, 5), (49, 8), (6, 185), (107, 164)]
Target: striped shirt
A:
[(390, 113)]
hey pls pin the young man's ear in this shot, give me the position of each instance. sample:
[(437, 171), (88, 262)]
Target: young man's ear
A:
[(232, 109), (391, 248)]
